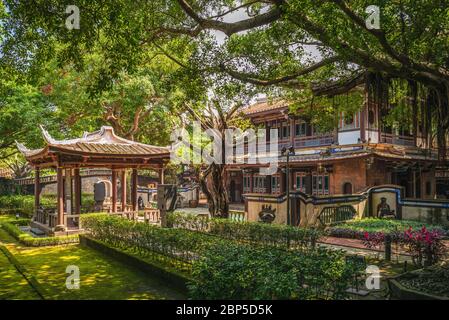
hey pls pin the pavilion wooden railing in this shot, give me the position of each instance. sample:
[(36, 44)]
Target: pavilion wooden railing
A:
[(42, 215), (72, 221), (52, 219), (152, 216)]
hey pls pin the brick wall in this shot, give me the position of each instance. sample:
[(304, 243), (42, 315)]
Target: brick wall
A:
[(377, 174), (352, 171)]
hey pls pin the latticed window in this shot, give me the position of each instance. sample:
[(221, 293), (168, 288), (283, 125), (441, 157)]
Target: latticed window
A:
[(320, 184), (301, 128), (300, 181), (247, 183), (259, 184)]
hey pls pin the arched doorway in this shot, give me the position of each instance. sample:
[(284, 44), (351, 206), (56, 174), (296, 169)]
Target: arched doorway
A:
[(347, 188)]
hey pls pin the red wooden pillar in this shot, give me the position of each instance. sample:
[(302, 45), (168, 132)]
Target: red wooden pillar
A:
[(60, 207), (134, 190), (77, 206), (123, 183), (37, 190), (114, 190)]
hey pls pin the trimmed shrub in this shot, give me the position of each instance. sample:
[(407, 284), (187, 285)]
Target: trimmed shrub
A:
[(24, 204), (256, 233), (356, 229), (175, 247), (223, 269), (12, 228), (236, 271)]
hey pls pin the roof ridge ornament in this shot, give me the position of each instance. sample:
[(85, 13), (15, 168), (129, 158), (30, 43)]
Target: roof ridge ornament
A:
[(47, 137), (22, 148)]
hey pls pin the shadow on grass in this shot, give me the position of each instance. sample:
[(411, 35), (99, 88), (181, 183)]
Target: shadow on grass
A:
[(101, 277)]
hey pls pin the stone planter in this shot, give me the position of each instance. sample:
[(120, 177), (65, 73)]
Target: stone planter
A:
[(399, 291)]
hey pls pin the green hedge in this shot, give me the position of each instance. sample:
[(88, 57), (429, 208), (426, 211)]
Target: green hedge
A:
[(235, 271), (223, 269), (12, 227), (24, 204), (256, 233), (357, 228), (176, 247)]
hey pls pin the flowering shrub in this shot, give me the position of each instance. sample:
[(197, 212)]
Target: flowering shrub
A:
[(373, 240), (424, 245)]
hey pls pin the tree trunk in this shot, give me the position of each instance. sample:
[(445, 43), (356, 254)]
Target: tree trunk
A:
[(213, 185)]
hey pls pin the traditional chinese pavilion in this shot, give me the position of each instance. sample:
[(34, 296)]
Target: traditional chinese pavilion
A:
[(99, 149)]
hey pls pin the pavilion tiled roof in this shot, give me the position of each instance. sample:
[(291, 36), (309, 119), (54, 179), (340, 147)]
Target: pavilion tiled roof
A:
[(101, 142)]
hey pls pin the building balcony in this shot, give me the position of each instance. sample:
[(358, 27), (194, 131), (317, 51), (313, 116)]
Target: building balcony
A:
[(397, 139), (314, 141)]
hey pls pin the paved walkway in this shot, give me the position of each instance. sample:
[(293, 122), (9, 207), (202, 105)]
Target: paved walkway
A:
[(355, 246)]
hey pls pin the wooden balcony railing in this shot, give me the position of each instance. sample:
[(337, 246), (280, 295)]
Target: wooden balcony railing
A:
[(397, 139), (314, 141)]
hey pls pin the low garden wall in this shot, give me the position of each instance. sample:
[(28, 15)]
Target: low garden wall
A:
[(306, 210)]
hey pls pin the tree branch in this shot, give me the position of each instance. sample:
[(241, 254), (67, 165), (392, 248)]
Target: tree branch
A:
[(267, 82), (234, 27), (381, 37)]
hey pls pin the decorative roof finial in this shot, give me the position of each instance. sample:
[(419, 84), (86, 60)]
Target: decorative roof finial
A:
[(47, 137)]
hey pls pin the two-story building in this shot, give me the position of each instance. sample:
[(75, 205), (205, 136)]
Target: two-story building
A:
[(361, 152)]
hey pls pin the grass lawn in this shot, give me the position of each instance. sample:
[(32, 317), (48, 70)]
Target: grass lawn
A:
[(101, 277), (13, 285)]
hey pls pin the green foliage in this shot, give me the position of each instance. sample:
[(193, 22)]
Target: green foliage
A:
[(175, 248), (22, 204), (229, 269), (22, 109), (380, 225), (12, 228), (232, 271), (281, 236)]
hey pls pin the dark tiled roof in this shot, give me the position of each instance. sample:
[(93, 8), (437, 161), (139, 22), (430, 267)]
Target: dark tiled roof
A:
[(266, 105)]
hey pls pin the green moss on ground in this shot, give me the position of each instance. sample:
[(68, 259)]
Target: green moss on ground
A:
[(13, 286), (101, 276)]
